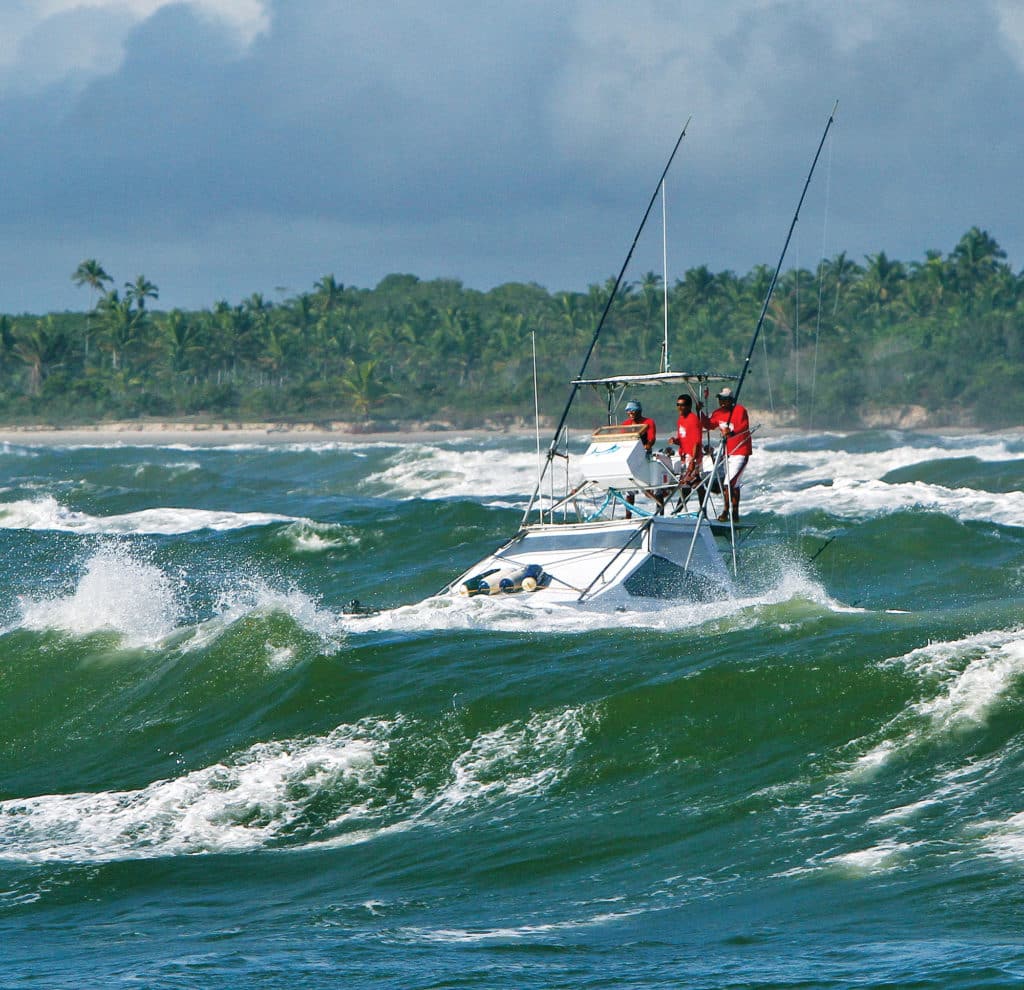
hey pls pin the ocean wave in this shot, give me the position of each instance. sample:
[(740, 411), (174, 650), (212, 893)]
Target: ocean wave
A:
[(120, 590), (310, 537), (910, 789), (843, 483), (169, 472), (8, 449), (962, 682), (424, 471), (48, 514), (357, 782), (117, 592), (872, 498), (256, 596)]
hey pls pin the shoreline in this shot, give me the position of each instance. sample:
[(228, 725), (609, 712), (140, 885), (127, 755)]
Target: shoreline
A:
[(160, 433)]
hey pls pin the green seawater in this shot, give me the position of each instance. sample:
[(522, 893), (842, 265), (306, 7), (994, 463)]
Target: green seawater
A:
[(210, 776)]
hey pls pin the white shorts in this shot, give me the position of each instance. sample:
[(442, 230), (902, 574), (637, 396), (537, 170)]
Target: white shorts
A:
[(734, 465)]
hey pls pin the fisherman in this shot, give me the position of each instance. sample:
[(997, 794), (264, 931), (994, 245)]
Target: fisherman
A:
[(634, 417), (688, 439), (732, 421)]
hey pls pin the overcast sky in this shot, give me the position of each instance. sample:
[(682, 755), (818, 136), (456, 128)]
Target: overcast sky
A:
[(225, 147)]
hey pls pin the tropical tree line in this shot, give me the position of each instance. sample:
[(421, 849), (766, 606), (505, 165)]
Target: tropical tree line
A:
[(848, 338)]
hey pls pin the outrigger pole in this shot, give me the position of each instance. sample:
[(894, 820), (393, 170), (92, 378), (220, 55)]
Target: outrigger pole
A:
[(785, 248), (600, 323), (757, 332)]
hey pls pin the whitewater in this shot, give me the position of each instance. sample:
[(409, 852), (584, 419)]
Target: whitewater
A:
[(213, 775)]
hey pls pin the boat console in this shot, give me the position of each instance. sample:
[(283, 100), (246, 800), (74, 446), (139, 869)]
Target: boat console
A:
[(616, 458)]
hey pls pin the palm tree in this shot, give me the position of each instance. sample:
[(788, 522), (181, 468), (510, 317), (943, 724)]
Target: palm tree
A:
[(362, 387), (697, 290), (881, 282), (836, 276), (118, 324), (43, 347), (90, 272), (976, 259), (927, 283), (329, 292), (180, 336), (6, 340), (139, 291), (651, 305)]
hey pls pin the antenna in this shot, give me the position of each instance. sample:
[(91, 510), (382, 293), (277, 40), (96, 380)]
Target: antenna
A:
[(664, 280), (536, 406)]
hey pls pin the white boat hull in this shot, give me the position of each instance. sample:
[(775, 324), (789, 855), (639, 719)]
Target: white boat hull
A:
[(608, 563)]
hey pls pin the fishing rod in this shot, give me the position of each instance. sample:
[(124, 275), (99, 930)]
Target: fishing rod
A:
[(601, 321), (778, 268), (821, 550), (757, 331), (785, 248)]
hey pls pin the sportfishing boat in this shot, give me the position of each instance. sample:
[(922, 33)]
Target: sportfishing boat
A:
[(629, 524), (624, 527)]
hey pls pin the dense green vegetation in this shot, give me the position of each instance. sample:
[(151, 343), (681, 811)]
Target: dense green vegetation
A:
[(946, 333)]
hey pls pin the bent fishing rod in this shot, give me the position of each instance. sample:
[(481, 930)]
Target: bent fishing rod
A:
[(601, 322)]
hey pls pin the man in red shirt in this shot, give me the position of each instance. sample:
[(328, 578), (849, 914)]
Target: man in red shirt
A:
[(687, 437), (732, 421), (634, 417)]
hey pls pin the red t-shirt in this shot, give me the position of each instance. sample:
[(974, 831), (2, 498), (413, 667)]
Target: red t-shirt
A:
[(648, 434), (738, 441), (688, 430)]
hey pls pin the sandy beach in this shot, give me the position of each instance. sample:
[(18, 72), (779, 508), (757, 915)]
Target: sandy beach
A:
[(134, 433)]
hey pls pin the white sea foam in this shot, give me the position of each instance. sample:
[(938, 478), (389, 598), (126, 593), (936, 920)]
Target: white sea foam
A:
[(516, 613), (265, 794), (801, 467), (311, 537), (518, 759), (172, 471), (228, 807), (906, 812), (866, 498), (424, 471), (117, 592), (963, 681), (48, 514), (258, 596), (850, 485), (886, 855), (1003, 839), (779, 480), (515, 933), (16, 450)]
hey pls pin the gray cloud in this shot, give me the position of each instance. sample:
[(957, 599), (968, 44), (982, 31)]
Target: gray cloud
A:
[(495, 142)]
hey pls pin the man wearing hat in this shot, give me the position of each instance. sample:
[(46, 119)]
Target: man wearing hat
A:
[(732, 421), (634, 417)]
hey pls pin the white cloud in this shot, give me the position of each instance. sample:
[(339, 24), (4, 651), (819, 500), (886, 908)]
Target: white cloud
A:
[(489, 140), (49, 42), (1010, 16)]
